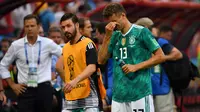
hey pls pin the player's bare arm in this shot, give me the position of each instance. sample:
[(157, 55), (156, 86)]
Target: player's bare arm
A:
[(157, 58), (88, 71), (103, 54), (60, 68)]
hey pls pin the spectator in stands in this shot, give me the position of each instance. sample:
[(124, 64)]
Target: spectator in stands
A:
[(6, 25), (47, 16), (72, 7), (44, 6), (56, 34), (99, 3), (5, 44), (41, 31), (194, 49), (18, 14), (59, 13)]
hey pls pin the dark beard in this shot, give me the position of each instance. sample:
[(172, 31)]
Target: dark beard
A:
[(70, 36)]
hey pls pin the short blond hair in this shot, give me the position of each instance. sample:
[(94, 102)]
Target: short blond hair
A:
[(145, 21)]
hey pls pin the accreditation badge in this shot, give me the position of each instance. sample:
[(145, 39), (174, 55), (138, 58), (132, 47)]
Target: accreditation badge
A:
[(32, 76)]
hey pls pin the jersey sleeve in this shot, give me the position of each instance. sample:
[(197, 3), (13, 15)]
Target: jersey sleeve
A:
[(149, 40), (91, 54)]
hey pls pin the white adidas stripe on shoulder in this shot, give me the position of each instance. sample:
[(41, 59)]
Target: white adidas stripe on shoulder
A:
[(90, 45)]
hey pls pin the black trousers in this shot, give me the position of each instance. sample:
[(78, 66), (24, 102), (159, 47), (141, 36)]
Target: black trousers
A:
[(1, 102), (36, 99), (58, 106)]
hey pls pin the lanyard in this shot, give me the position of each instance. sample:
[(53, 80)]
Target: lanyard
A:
[(26, 53)]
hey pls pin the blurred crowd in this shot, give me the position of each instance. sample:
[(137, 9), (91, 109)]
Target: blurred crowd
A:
[(11, 24)]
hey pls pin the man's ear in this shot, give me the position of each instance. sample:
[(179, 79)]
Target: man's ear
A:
[(78, 28), (123, 14), (77, 25)]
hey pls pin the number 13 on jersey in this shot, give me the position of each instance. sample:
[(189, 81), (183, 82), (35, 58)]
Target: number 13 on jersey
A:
[(123, 52)]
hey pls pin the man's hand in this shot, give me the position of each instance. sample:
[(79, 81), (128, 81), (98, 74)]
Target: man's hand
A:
[(110, 28), (3, 97), (18, 88), (69, 86), (129, 68)]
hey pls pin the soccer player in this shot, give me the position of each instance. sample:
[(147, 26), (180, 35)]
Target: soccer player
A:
[(134, 45)]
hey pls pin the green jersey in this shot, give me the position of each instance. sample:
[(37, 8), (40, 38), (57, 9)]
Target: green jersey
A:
[(133, 47)]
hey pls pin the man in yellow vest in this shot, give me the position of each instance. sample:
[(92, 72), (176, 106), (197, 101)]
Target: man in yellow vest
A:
[(79, 61)]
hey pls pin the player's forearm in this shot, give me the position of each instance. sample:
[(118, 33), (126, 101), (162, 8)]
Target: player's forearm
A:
[(61, 72), (60, 68), (88, 71), (103, 54), (154, 60), (10, 82)]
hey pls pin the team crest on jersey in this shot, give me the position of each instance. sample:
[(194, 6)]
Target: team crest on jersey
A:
[(131, 40), (123, 41)]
